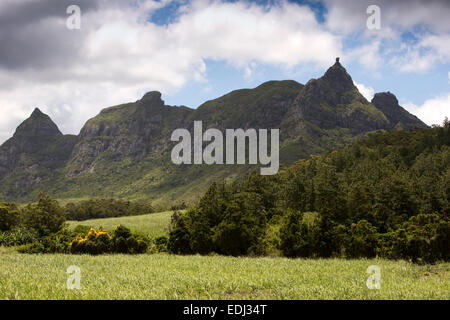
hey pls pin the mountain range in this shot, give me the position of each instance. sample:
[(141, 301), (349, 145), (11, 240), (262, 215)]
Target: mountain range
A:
[(124, 151)]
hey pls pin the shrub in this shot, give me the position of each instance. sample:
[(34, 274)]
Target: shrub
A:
[(9, 216), (161, 243), (93, 243), (179, 235), (99, 242), (362, 241), (81, 230), (17, 236), (427, 238), (58, 242)]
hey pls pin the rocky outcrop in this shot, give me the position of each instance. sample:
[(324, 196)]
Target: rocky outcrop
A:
[(398, 117)]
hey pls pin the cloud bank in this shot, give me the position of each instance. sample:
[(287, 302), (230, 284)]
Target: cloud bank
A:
[(432, 111), (119, 53)]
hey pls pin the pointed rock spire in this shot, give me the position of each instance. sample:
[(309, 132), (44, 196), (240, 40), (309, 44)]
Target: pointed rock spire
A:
[(338, 78), (36, 113), (38, 124)]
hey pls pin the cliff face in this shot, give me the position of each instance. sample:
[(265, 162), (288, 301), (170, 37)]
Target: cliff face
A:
[(125, 150), (135, 130), (398, 117)]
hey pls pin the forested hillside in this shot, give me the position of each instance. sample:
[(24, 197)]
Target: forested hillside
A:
[(386, 195)]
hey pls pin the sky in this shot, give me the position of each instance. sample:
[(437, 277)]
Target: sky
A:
[(193, 51)]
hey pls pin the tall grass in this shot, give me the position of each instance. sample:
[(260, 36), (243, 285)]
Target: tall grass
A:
[(214, 277), (209, 277)]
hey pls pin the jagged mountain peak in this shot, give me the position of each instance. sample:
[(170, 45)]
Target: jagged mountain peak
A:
[(152, 98), (385, 98), (38, 124), (338, 78), (37, 113), (333, 101), (334, 88)]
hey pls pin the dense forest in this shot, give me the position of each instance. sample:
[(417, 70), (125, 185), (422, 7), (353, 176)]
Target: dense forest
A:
[(387, 195), (106, 208)]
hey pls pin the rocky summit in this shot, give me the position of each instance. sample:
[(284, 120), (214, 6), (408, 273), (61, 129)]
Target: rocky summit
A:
[(398, 117), (124, 151)]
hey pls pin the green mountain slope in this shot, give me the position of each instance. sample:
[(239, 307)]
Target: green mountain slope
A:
[(124, 151), (37, 152)]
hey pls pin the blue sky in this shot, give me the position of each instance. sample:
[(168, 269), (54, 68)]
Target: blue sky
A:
[(195, 50), (410, 87), (223, 78)]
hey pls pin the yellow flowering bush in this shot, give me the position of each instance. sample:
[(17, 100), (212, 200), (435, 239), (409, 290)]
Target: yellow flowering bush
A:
[(98, 242)]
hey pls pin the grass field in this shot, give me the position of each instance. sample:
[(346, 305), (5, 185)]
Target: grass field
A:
[(162, 276), (214, 277), (154, 224)]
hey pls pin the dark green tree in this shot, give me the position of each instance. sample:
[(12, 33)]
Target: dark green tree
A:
[(45, 216)]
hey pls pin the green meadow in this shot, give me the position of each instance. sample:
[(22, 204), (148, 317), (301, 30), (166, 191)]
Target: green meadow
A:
[(161, 276), (164, 276), (154, 224)]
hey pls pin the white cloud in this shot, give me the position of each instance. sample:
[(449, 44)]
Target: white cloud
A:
[(425, 21), (368, 55), (367, 92), (348, 16), (414, 61), (429, 51), (432, 111), (287, 34), (120, 55)]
